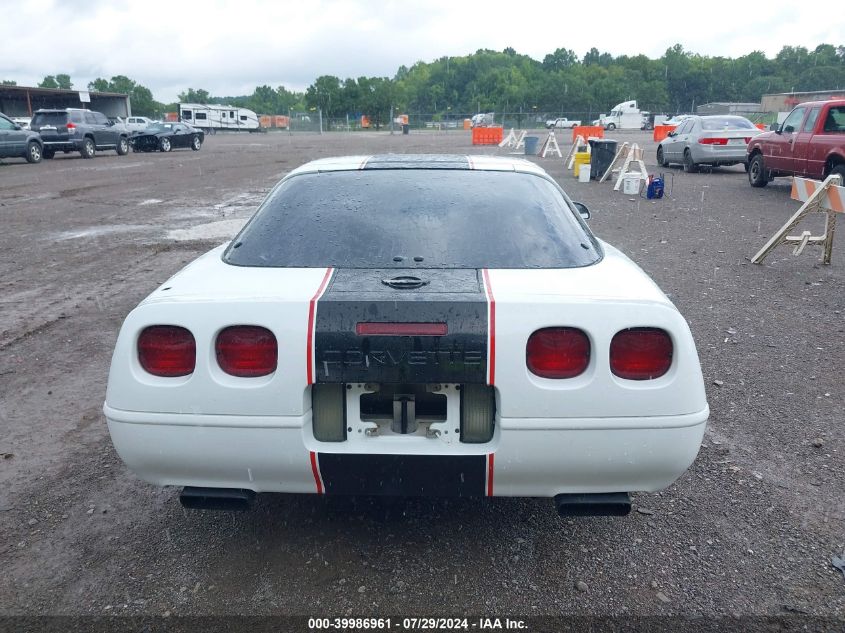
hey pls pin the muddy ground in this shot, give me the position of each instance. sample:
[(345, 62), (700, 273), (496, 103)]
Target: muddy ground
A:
[(751, 528)]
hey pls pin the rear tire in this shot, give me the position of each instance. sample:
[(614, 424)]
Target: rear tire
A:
[(689, 166), (33, 152), (88, 148), (661, 159), (757, 172), (164, 145), (839, 170), (196, 143), (122, 146), (611, 126)]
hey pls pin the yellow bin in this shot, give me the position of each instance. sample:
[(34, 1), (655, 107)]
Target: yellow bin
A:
[(581, 158)]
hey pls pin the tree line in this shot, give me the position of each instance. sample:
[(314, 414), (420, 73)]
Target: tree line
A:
[(506, 81)]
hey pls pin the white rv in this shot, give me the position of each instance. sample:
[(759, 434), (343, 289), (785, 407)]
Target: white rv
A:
[(624, 116), (210, 117)]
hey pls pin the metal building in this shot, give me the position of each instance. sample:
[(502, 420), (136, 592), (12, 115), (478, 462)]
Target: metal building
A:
[(785, 101), (22, 101), (722, 107)]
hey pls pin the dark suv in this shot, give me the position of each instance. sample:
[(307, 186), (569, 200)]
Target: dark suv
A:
[(84, 131), (15, 141)]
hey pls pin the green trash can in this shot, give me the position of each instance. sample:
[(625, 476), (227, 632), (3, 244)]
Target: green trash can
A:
[(406, 128), (531, 145)]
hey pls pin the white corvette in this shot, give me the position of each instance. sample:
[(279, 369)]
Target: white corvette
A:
[(410, 325)]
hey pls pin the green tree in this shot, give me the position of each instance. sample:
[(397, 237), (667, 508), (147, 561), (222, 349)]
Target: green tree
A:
[(49, 82), (194, 96), (63, 81), (8, 82)]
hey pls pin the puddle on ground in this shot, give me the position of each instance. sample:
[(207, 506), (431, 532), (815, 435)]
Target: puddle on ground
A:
[(97, 231), (222, 230)]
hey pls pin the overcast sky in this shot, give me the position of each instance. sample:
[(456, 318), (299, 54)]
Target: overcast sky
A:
[(229, 47)]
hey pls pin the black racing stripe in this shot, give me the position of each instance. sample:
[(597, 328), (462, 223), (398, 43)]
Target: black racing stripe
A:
[(410, 161), (408, 475), (453, 297)]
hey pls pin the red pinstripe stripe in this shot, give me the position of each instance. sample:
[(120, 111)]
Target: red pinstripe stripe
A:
[(315, 469), (492, 376), (490, 475), (312, 309)]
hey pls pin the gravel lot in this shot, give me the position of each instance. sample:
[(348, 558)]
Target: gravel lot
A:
[(750, 529)]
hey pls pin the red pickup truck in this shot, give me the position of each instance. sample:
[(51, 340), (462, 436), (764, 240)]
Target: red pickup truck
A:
[(809, 143)]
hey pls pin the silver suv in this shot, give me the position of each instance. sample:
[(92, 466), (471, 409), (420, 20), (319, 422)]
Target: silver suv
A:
[(83, 131)]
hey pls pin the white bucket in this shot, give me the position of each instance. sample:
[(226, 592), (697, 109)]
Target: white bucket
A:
[(631, 185), (584, 173)]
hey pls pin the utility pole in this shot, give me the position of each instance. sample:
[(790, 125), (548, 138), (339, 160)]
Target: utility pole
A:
[(320, 112), (391, 119)]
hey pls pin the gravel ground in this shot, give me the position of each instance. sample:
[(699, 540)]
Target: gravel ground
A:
[(750, 529)]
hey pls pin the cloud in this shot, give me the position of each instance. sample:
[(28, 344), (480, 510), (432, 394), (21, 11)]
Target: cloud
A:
[(229, 47)]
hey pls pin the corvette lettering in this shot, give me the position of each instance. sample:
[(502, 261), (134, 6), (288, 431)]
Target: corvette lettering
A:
[(336, 359)]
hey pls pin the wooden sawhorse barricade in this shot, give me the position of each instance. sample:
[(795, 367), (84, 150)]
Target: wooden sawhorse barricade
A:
[(827, 197)]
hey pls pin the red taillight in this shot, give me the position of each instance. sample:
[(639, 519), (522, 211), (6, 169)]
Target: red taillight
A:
[(167, 350), (713, 141), (641, 353), (247, 351), (557, 352), (71, 126)]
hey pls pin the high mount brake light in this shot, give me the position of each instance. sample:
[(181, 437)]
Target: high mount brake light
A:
[(557, 352), (641, 353), (247, 351), (167, 351)]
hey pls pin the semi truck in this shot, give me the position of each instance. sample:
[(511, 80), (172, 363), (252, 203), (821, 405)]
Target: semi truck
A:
[(623, 116), (211, 117)]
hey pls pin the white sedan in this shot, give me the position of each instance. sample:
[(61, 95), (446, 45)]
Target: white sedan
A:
[(410, 325)]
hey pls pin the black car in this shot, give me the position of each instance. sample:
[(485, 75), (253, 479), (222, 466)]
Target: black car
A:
[(83, 131), (17, 142), (166, 136)]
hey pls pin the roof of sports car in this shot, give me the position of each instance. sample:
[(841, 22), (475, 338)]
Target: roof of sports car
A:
[(419, 161)]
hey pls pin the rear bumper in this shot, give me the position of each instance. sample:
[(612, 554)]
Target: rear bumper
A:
[(718, 154), (526, 458), (70, 145)]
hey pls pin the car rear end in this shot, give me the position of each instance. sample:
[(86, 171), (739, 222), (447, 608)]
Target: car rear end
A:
[(559, 370), (723, 140), (58, 129)]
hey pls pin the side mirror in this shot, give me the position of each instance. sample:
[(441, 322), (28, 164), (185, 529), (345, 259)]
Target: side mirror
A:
[(17, 127), (583, 211), (672, 134)]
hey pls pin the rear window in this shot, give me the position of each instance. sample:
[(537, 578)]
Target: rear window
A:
[(415, 218), (727, 123), (835, 121), (49, 118)]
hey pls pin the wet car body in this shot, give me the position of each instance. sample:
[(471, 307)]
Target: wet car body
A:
[(410, 325), (166, 137), (707, 140)]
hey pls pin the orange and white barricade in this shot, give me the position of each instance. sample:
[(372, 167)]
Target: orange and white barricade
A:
[(826, 197)]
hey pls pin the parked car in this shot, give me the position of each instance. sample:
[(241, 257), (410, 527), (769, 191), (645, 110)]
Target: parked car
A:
[(83, 131), (167, 136), (23, 121), (138, 123), (707, 140), (18, 142), (809, 143), (677, 119), (561, 122), (360, 335)]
